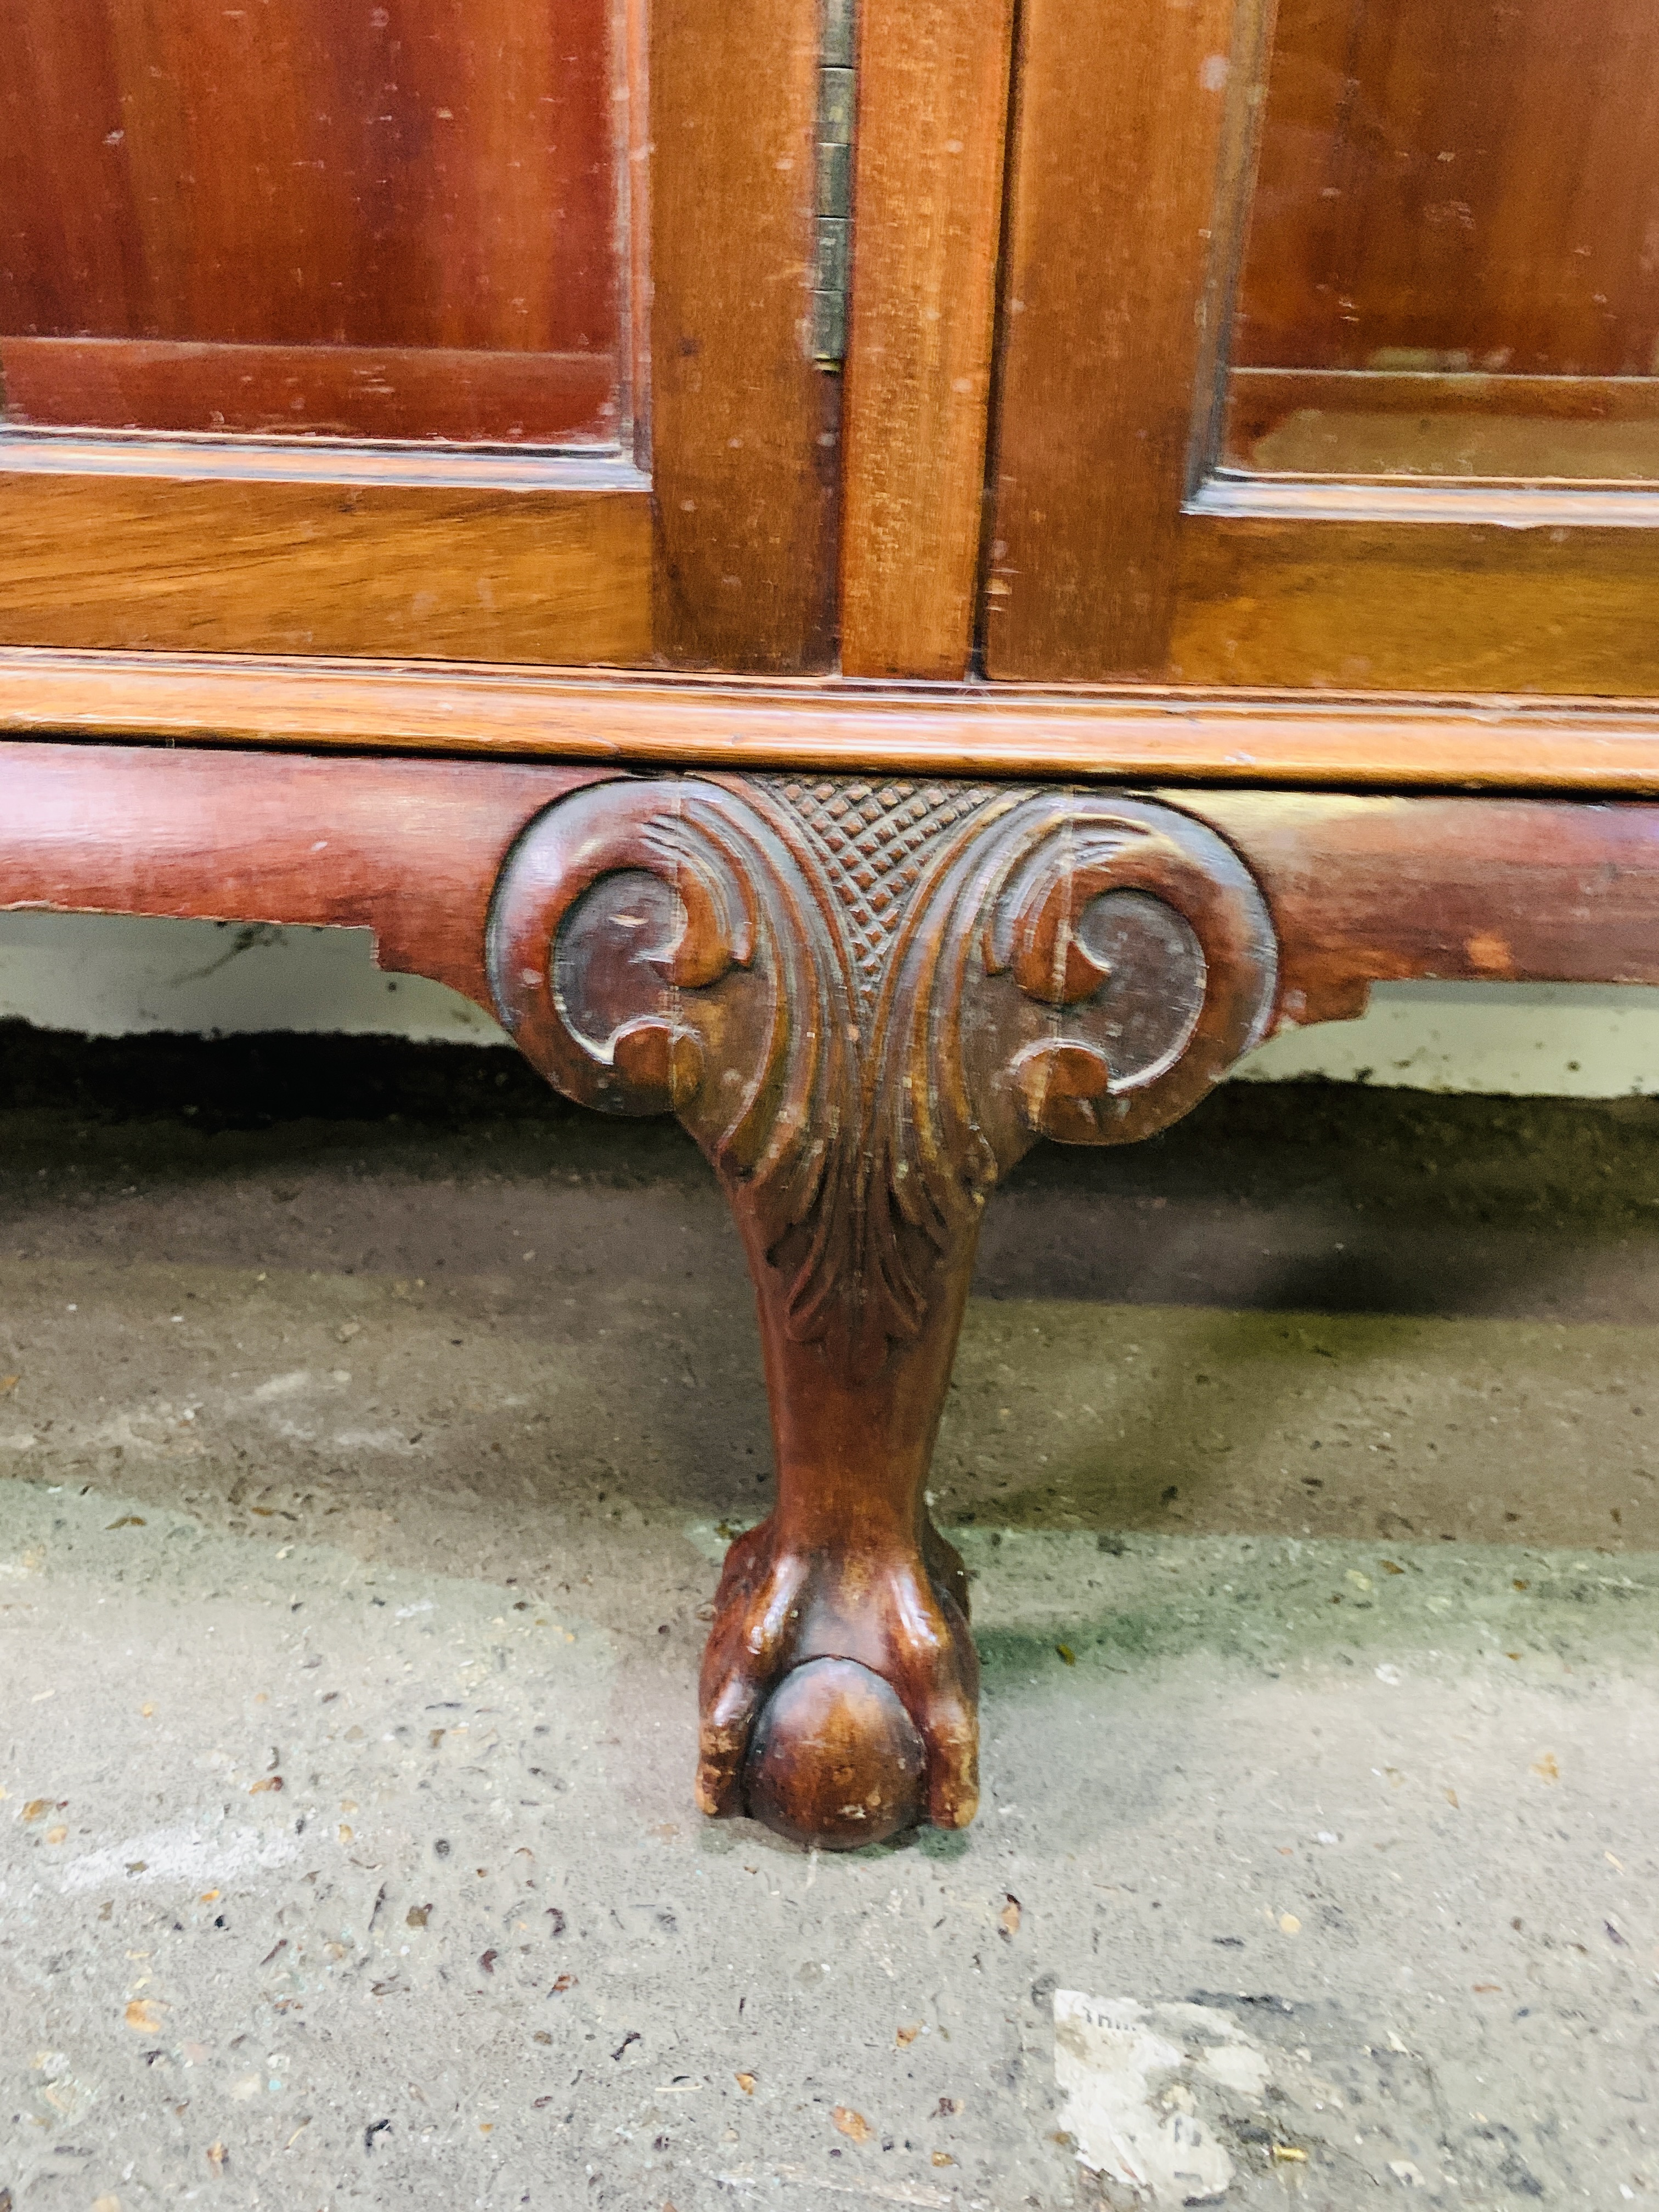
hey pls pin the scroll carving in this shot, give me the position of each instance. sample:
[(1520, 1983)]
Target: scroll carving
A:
[(867, 1000)]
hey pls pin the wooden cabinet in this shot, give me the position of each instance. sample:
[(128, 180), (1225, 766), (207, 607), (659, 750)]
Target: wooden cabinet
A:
[(894, 588), (1308, 347)]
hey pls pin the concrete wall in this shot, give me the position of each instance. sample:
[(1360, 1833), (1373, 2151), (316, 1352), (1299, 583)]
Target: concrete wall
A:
[(108, 977)]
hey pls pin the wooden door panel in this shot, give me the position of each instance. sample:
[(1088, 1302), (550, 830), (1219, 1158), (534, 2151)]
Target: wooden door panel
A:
[(462, 396), (563, 254), (1449, 276), (931, 124), (1435, 606), (745, 427), (1450, 267)]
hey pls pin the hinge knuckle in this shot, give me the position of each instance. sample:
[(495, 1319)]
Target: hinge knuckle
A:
[(833, 251)]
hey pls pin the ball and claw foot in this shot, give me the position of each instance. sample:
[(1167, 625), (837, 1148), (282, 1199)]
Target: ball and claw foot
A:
[(838, 1691)]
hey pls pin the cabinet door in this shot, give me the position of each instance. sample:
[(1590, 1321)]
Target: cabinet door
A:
[(1330, 346), (464, 328)]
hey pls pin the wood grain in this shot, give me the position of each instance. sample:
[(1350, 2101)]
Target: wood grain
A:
[(675, 946), (933, 120), (867, 1000), (1403, 604), (453, 393), (1361, 889), (1122, 120), (1108, 565), (408, 175), (743, 485), (262, 564), (409, 849), (1217, 736), (1367, 890), (1462, 188)]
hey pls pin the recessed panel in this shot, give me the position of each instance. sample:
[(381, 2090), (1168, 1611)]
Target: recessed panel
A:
[(360, 218), (1452, 265)]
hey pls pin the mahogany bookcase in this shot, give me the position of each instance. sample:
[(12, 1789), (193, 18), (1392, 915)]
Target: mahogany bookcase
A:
[(893, 588)]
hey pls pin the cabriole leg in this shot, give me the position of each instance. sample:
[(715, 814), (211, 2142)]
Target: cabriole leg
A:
[(865, 1000), (839, 1685)]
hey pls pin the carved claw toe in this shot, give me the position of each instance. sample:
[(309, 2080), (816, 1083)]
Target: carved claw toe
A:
[(756, 1610), (951, 1723)]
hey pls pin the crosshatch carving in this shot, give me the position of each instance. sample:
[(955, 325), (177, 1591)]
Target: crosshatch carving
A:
[(875, 841)]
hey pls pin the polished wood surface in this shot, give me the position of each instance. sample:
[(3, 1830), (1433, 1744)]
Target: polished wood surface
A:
[(745, 428), (867, 999), (1113, 206), (1372, 889), (717, 549), (432, 566), (409, 849), (1359, 888), (834, 1758), (1217, 736), (933, 120), (870, 941), (286, 178), (1457, 188), (1555, 605)]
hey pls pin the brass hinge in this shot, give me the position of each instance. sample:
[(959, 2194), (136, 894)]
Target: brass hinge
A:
[(832, 275)]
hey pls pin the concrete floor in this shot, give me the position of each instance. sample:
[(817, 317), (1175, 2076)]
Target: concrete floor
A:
[(362, 1483)]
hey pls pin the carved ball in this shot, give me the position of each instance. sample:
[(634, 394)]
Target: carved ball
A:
[(835, 1759)]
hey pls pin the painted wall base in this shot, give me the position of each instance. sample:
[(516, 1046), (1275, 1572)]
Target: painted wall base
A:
[(111, 976)]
